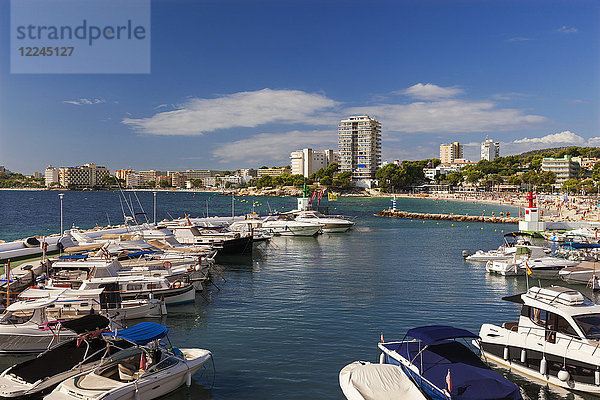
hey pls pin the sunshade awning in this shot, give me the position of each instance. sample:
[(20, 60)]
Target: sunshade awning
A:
[(140, 334), (435, 334)]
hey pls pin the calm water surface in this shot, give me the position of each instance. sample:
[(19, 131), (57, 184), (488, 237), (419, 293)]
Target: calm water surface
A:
[(283, 324)]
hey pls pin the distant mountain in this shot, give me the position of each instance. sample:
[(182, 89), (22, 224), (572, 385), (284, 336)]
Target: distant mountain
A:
[(561, 151)]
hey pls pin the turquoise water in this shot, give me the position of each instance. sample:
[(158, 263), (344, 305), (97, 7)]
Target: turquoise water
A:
[(284, 324)]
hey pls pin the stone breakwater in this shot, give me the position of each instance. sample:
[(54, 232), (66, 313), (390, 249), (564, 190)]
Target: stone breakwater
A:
[(448, 217)]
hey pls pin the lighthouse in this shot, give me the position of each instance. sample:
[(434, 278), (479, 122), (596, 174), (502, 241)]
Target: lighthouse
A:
[(532, 221)]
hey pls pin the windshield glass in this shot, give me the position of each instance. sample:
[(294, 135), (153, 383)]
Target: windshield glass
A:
[(18, 317), (589, 324)]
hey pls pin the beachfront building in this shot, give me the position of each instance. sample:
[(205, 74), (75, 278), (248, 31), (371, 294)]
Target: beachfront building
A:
[(272, 171), (134, 180), (490, 149), (82, 176), (431, 173), (450, 152), (51, 175), (192, 174), (359, 145), (308, 161), (564, 168), (122, 173), (151, 176), (177, 179)]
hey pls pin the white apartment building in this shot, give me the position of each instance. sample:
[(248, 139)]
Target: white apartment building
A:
[(431, 173), (51, 175), (564, 168), (134, 180), (122, 173), (359, 145), (192, 174), (450, 152), (87, 175), (308, 161), (490, 149)]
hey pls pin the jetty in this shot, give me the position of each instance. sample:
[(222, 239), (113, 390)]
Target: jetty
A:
[(448, 217)]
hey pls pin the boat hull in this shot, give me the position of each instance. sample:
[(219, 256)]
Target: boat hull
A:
[(30, 341)]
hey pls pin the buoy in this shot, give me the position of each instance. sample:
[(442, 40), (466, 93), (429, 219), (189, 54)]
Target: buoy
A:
[(597, 376), (382, 358), (452, 224), (523, 356), (481, 228), (506, 353), (467, 226), (188, 379), (563, 374), (543, 366)]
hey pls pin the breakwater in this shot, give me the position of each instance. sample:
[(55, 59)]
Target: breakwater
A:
[(448, 217)]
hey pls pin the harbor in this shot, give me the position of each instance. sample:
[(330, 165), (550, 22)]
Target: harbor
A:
[(269, 321)]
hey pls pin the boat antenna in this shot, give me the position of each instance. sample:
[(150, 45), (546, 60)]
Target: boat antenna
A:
[(123, 210), (141, 207), (128, 205), (268, 205), (108, 218)]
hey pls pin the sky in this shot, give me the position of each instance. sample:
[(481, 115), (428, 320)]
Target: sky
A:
[(241, 84)]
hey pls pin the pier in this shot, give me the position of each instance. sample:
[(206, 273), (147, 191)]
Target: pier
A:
[(448, 217)]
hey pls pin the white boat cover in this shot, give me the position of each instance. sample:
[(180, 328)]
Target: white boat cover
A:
[(34, 293), (365, 381)]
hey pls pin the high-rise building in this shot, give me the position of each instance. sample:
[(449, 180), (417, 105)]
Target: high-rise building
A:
[(359, 145), (490, 149), (51, 175), (308, 161), (450, 152), (122, 173), (87, 175)]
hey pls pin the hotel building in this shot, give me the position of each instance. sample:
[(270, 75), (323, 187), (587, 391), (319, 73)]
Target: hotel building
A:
[(308, 161), (490, 149), (359, 145), (450, 152)]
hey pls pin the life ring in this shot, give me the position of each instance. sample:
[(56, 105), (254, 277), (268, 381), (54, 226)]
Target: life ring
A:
[(176, 285), (166, 264)]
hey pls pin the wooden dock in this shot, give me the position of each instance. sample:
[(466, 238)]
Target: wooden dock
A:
[(448, 217)]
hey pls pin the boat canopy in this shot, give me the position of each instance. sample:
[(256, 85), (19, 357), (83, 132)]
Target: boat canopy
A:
[(516, 234), (437, 334), (140, 334), (30, 304), (578, 245), (73, 257), (88, 323)]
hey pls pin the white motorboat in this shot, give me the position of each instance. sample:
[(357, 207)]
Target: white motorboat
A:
[(365, 381), (329, 224), (146, 371), (555, 340), (502, 253), (284, 225), (513, 265), (586, 273), (548, 267), (26, 328), (48, 369)]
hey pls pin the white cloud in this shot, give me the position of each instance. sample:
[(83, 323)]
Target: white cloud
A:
[(565, 137), (84, 101), (449, 116), (565, 29), (430, 91), (274, 146), (243, 109)]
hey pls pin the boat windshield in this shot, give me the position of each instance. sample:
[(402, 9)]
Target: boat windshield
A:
[(589, 324), (17, 317)]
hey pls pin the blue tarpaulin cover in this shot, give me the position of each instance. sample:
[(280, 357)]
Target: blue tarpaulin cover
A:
[(579, 245), (73, 257), (140, 253), (141, 334), (435, 334)]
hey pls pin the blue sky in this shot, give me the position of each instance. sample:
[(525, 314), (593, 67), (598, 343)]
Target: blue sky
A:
[(241, 84)]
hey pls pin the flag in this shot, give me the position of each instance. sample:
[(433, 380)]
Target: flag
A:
[(382, 341), (331, 197), (529, 271), (449, 382), (320, 196)]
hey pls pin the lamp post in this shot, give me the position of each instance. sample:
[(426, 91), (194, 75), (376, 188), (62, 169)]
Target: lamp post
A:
[(61, 213), (154, 207)]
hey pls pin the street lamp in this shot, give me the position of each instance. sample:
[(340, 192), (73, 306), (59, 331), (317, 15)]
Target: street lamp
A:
[(61, 213), (154, 207)]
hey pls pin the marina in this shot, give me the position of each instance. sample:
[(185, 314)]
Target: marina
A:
[(277, 313)]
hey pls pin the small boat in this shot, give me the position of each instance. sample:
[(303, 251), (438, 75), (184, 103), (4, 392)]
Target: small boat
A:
[(586, 273), (329, 224), (548, 267), (284, 225), (145, 371), (443, 368), (365, 381), (36, 376), (555, 339)]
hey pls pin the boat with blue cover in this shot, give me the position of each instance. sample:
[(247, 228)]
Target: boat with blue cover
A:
[(444, 368)]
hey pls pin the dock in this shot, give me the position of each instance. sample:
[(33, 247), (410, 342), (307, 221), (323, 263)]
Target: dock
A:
[(448, 217)]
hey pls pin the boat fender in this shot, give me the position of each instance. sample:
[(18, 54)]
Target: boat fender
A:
[(506, 353), (543, 366), (382, 358), (597, 376), (176, 284), (188, 378), (563, 374), (166, 264), (523, 356)]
